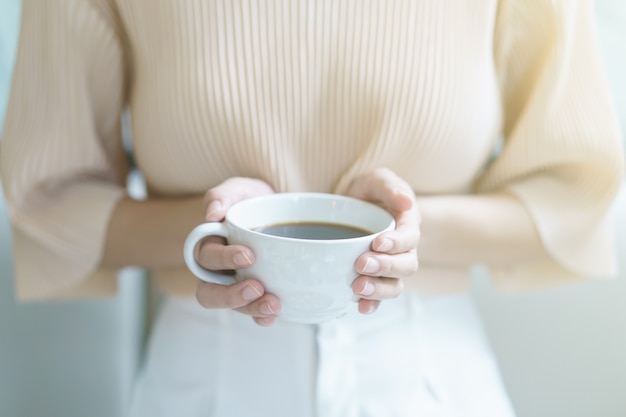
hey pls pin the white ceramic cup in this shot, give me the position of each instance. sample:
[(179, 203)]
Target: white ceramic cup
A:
[(311, 277)]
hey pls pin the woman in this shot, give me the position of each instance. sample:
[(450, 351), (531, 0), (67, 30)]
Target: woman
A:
[(486, 128)]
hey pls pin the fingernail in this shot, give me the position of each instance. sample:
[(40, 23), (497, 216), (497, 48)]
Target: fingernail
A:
[(368, 289), (385, 246), (371, 266), (213, 207), (241, 259), (250, 293), (266, 308)]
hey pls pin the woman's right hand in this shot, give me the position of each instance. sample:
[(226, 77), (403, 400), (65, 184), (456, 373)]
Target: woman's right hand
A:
[(215, 254)]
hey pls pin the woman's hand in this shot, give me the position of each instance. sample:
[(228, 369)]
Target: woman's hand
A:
[(394, 253), (214, 254)]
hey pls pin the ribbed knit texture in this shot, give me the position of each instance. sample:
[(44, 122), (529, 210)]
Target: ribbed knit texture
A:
[(305, 95)]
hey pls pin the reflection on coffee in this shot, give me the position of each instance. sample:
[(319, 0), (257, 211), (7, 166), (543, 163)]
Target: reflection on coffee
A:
[(313, 231)]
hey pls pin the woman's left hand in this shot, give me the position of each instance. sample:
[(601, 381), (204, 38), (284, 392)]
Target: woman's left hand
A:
[(394, 254)]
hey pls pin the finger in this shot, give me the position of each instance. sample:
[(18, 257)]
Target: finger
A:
[(266, 306), (384, 186), (228, 296), (220, 198), (371, 288), (264, 321), (214, 255), (368, 306), (402, 265), (395, 195), (403, 238)]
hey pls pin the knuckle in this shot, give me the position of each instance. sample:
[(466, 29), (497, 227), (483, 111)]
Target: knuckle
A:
[(399, 265), (383, 172), (394, 289), (390, 266), (210, 195)]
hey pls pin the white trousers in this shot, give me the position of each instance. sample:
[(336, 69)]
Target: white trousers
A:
[(413, 357)]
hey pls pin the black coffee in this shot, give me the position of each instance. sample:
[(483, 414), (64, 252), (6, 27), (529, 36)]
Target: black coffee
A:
[(313, 231)]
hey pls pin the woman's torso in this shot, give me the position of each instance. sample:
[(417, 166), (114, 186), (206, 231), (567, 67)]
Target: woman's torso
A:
[(307, 94)]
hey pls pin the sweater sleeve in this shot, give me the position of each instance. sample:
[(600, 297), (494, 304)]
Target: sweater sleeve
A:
[(562, 153), (63, 165)]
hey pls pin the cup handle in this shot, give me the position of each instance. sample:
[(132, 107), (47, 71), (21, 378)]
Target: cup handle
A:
[(197, 234)]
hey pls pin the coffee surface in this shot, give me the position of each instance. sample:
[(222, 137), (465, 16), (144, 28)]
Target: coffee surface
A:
[(313, 231)]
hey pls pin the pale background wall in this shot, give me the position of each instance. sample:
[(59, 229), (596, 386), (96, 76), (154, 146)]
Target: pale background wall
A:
[(562, 351)]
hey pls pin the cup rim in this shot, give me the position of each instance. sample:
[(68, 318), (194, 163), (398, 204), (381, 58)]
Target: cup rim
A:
[(308, 194)]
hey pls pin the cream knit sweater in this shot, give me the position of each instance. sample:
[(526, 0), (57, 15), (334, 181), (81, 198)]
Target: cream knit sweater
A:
[(305, 94)]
